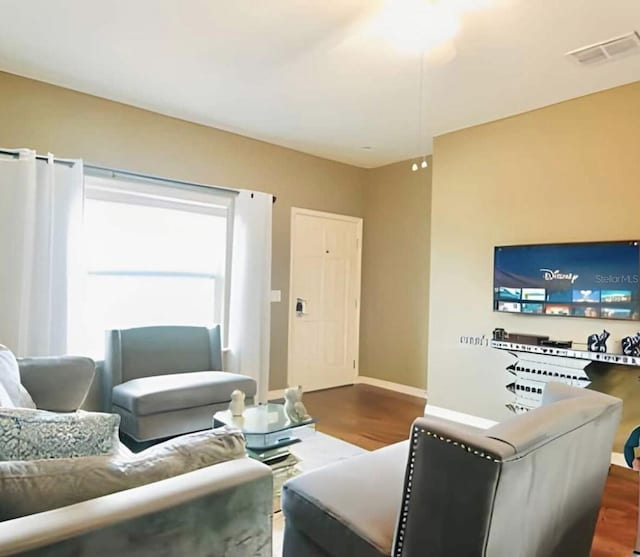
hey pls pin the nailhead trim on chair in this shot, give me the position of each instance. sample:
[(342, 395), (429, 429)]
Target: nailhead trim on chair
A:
[(404, 513)]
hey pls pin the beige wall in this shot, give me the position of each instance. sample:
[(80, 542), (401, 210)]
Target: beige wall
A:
[(395, 274), (565, 173), (71, 124)]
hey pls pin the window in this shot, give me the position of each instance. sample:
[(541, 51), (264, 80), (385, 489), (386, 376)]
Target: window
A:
[(155, 255)]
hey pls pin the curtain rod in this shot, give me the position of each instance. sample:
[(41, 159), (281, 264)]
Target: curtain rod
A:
[(128, 174), (16, 155), (150, 177), (125, 173)]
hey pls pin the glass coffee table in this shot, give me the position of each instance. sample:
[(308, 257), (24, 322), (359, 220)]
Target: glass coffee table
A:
[(267, 429), (269, 434)]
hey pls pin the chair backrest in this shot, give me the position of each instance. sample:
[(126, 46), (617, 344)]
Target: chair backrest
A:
[(528, 487), (148, 351)]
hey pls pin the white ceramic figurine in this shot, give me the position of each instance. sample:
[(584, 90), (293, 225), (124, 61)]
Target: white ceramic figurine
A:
[(236, 406), (293, 406)]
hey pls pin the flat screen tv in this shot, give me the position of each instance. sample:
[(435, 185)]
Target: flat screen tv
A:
[(594, 280)]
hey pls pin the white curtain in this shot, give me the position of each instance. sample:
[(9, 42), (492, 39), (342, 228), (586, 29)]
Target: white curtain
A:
[(40, 219), (250, 293)]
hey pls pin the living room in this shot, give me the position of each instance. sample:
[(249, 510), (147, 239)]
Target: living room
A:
[(307, 112)]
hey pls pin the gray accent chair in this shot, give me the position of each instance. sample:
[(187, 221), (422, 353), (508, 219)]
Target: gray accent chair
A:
[(168, 381), (528, 487)]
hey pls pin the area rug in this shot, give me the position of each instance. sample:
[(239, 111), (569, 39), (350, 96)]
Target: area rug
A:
[(314, 451), (319, 449)]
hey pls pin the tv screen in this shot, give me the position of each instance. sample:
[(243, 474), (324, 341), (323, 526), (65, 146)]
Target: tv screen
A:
[(593, 280)]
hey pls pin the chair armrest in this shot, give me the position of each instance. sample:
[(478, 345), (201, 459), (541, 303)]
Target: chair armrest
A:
[(120, 522), (59, 384), (462, 434)]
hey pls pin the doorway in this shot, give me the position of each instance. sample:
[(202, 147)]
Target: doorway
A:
[(324, 299)]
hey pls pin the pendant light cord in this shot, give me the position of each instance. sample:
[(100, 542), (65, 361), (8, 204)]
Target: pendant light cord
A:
[(420, 138), (421, 102)]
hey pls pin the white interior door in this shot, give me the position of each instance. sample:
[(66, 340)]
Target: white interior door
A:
[(324, 299)]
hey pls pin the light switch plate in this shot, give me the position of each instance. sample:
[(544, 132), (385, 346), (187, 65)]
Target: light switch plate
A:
[(276, 296)]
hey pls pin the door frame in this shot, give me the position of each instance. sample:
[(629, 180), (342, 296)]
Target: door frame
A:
[(358, 221)]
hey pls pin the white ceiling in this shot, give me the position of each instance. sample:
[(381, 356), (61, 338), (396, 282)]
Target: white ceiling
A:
[(311, 74)]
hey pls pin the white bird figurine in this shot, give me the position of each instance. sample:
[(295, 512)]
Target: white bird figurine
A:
[(236, 406), (293, 407)]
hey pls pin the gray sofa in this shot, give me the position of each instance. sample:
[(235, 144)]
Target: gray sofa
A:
[(166, 381), (528, 487), (58, 384), (224, 510)]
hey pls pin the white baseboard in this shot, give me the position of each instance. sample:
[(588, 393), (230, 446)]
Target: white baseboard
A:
[(389, 385), (618, 460), (459, 417)]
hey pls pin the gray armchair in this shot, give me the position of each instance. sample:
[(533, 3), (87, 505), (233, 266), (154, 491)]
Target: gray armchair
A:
[(167, 381), (529, 487)]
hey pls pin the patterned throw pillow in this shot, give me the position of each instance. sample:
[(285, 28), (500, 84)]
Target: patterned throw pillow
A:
[(27, 434)]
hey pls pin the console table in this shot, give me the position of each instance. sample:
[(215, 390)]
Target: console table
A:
[(536, 365)]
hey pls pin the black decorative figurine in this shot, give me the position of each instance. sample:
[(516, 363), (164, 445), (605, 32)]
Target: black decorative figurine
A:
[(631, 345), (598, 342), (500, 334)]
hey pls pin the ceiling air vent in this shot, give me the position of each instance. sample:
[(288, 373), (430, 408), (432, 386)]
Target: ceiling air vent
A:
[(610, 49)]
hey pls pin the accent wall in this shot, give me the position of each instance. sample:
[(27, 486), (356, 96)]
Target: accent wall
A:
[(565, 173)]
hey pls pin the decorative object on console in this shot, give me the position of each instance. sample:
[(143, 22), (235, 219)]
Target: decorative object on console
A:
[(293, 406), (500, 334), (522, 338), (236, 406), (631, 345), (557, 343), (598, 342)]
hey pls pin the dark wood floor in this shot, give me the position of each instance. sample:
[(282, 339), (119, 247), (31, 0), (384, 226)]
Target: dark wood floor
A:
[(372, 418)]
